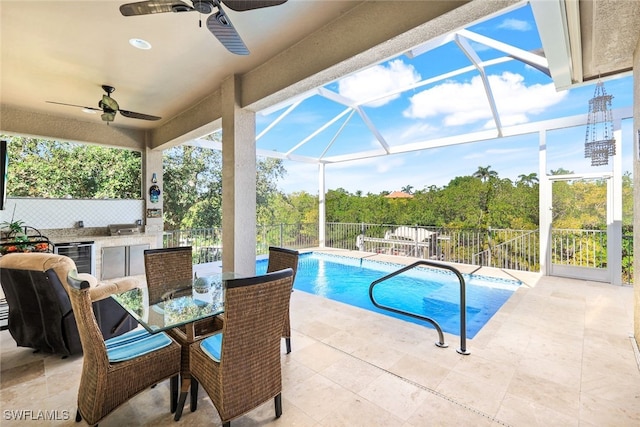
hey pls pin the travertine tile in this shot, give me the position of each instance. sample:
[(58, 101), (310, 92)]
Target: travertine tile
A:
[(394, 395), (518, 411), (604, 412), (419, 370), (439, 411), (473, 393), (352, 374), (558, 353), (546, 392), (359, 412), (22, 373), (317, 356), (379, 353), (318, 396)]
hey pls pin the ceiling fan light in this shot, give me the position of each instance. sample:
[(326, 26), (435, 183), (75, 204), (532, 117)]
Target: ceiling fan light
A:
[(108, 103), (140, 44), (108, 117)]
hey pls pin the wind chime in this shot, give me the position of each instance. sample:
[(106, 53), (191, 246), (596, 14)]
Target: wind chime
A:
[(599, 143)]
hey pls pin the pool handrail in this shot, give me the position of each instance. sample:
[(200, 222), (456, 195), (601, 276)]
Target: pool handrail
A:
[(463, 303)]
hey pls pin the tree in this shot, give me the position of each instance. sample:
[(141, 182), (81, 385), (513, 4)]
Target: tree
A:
[(192, 178), (88, 171), (485, 173), (407, 189), (561, 171), (528, 180), (268, 172), (193, 187)]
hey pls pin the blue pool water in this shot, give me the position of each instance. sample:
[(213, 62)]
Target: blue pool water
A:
[(434, 293)]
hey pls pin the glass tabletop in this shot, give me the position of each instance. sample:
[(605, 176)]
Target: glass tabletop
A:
[(178, 303)]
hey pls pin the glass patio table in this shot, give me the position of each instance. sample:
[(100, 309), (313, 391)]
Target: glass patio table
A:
[(175, 308)]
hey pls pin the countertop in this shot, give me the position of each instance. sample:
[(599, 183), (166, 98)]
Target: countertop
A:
[(98, 235)]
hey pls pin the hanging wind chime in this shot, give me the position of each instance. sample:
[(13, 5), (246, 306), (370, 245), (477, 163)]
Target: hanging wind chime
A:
[(599, 143)]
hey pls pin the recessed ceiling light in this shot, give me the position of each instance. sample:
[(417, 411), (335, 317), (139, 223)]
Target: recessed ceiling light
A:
[(88, 111), (140, 44)]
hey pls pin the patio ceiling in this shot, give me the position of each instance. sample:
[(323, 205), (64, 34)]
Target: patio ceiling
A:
[(64, 50)]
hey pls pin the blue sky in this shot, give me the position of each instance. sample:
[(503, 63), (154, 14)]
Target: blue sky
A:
[(452, 106)]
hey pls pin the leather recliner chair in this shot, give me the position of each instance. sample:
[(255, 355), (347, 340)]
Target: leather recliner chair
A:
[(40, 312)]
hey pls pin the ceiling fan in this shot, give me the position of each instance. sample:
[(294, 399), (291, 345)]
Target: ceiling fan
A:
[(110, 107), (219, 23)]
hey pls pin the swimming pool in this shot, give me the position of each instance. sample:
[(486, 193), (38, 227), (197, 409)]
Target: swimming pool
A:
[(430, 292)]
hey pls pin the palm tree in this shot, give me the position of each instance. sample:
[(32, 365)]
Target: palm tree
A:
[(485, 173), (407, 189), (528, 180), (561, 171)]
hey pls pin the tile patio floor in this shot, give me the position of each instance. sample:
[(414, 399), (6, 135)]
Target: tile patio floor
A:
[(559, 352)]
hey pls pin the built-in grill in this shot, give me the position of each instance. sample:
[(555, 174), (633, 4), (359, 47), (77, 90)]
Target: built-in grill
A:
[(123, 229)]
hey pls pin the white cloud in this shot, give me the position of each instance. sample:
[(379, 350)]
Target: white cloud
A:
[(417, 130), (378, 80), (391, 164), (464, 103), (515, 24)]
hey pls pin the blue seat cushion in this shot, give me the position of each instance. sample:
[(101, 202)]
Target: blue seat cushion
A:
[(212, 346), (133, 344)]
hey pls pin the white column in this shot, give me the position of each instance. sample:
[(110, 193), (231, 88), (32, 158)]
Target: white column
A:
[(614, 211), (322, 207), (636, 191), (238, 182), (152, 167), (545, 205)]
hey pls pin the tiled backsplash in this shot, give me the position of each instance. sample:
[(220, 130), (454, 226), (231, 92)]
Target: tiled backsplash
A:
[(65, 213)]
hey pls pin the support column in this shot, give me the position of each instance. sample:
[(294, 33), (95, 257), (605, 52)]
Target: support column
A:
[(636, 192), (614, 211), (545, 205), (322, 207), (152, 215), (238, 182)]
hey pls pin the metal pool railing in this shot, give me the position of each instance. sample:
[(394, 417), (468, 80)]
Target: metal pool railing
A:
[(463, 303)]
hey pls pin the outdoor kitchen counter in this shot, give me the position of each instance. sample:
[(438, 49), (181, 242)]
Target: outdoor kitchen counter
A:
[(131, 239), (153, 240)]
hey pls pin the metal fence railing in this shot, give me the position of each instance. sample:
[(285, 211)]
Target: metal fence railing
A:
[(627, 259), (576, 247), (514, 249), (206, 243), (501, 248)]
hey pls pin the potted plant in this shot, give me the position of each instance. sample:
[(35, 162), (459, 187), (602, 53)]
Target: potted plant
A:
[(12, 230)]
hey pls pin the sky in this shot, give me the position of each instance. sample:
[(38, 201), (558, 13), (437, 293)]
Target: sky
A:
[(440, 108)]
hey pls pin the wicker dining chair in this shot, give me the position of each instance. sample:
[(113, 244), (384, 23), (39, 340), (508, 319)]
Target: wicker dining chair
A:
[(240, 366), (115, 370), (281, 258), (163, 268), (167, 266)]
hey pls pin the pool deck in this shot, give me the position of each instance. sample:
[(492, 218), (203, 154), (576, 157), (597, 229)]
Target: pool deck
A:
[(558, 352)]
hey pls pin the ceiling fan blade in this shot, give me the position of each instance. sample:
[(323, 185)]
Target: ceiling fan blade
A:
[(221, 27), (74, 105), (242, 5), (133, 115), (154, 6)]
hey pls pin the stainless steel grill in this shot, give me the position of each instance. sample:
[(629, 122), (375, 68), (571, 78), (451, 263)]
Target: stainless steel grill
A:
[(123, 229)]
